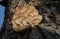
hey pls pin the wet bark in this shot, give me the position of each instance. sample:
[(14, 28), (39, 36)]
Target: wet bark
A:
[(49, 28)]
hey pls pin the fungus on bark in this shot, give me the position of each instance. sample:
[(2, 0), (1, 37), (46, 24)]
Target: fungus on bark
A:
[(24, 17)]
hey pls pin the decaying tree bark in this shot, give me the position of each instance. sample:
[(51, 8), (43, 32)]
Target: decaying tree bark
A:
[(49, 28)]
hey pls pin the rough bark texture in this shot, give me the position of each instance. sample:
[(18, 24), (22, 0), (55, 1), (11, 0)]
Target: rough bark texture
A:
[(49, 27)]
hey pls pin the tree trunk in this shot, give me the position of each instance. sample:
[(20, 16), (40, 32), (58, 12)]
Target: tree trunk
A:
[(49, 28)]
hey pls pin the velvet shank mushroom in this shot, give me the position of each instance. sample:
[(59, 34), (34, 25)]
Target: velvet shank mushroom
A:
[(24, 17)]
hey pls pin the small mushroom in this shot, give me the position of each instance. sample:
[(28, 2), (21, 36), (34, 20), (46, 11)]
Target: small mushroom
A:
[(24, 17)]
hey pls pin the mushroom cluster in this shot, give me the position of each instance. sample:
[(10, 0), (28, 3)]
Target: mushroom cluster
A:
[(24, 17)]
